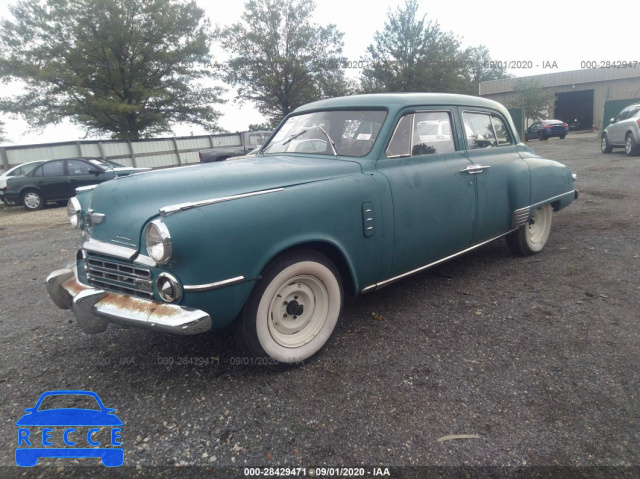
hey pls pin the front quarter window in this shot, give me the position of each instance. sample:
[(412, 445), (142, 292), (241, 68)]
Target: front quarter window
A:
[(342, 132)]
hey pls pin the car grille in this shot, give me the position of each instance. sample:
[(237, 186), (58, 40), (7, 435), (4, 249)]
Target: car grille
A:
[(119, 277)]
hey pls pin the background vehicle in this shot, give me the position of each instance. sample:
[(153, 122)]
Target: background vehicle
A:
[(233, 144), (19, 170), (545, 129), (623, 132), (57, 180)]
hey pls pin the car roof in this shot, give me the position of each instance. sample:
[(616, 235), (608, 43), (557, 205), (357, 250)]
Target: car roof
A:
[(22, 164), (397, 101)]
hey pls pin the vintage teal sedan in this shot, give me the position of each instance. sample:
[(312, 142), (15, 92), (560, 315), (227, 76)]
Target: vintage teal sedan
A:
[(347, 195)]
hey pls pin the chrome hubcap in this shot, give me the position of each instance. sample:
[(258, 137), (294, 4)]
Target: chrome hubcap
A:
[(31, 200)]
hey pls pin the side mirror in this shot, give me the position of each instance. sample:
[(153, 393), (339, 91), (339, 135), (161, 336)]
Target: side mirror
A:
[(612, 120), (95, 172)]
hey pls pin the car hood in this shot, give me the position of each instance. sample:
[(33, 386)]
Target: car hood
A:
[(130, 202), (69, 417)]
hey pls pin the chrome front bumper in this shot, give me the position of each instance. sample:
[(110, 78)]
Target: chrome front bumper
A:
[(95, 308)]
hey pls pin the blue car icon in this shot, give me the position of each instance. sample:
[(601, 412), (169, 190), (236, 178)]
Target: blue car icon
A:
[(69, 418)]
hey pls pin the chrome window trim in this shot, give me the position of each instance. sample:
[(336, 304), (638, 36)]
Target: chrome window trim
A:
[(408, 155), (194, 288), (106, 249), (451, 124), (171, 209), (491, 115)]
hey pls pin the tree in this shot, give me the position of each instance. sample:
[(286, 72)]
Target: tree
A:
[(128, 68), (480, 68), (412, 54), (3, 138), (535, 100), (280, 60)]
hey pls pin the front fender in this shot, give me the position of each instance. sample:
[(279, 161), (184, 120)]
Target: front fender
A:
[(221, 241)]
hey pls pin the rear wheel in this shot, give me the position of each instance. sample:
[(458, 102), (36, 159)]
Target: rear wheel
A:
[(631, 147), (32, 200), (562, 137), (292, 311), (605, 146), (530, 238)]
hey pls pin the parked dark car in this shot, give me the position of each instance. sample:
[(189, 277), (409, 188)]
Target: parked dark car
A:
[(545, 129), (57, 180), (623, 132)]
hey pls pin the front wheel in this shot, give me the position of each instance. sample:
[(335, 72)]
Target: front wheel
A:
[(531, 237), (292, 311), (33, 200), (631, 147)]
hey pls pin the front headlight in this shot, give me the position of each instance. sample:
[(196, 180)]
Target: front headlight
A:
[(74, 212), (158, 242)]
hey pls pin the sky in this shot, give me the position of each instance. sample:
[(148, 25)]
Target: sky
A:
[(562, 35)]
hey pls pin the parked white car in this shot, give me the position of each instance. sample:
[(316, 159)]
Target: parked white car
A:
[(19, 170), (623, 132)]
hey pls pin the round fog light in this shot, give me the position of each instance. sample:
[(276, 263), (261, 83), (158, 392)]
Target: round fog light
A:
[(168, 288)]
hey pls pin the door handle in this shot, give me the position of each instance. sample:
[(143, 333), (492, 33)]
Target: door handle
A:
[(474, 169)]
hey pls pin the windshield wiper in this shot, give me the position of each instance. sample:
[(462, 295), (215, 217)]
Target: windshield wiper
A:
[(331, 142), (293, 137)]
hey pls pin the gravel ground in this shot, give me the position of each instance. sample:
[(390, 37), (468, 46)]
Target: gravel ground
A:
[(536, 358)]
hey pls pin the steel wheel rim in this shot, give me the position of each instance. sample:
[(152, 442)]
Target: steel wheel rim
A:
[(292, 330), (31, 200), (538, 226)]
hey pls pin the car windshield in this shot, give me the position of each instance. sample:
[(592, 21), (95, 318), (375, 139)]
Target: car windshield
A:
[(105, 163), (332, 132), (68, 401)]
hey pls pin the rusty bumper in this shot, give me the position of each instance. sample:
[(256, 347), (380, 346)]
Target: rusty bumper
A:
[(95, 308)]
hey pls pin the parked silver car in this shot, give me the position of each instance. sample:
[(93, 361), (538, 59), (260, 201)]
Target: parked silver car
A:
[(623, 132)]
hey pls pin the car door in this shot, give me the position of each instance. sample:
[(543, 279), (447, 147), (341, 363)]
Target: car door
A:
[(51, 180), (433, 199), (616, 130), (82, 173), (501, 176)]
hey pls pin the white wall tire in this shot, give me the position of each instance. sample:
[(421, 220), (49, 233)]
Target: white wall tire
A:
[(532, 237), (292, 311)]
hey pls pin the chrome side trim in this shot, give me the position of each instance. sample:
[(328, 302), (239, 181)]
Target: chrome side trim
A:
[(219, 284), (520, 216), (549, 200), (80, 189), (106, 249), (168, 210), (430, 265)]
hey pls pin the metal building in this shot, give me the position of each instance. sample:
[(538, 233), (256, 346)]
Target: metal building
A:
[(591, 95)]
